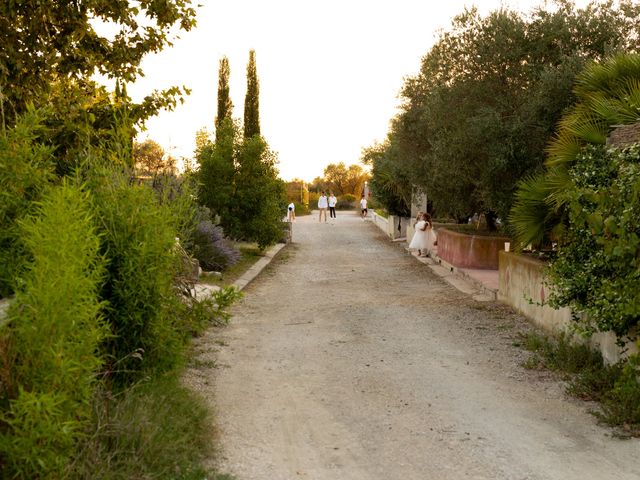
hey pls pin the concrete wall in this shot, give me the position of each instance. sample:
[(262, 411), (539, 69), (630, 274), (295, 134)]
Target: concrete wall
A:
[(521, 286), (381, 222), (469, 251), (390, 225)]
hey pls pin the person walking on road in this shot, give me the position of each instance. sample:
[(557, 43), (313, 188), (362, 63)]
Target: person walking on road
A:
[(363, 207), (323, 203), (332, 205)]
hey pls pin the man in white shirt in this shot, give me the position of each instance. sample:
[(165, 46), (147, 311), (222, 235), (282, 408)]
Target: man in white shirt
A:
[(363, 207), (323, 203), (332, 205)]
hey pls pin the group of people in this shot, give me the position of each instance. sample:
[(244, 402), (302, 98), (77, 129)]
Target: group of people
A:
[(325, 203), (330, 202), (424, 238)]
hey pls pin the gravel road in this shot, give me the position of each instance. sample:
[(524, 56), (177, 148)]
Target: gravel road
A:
[(350, 360)]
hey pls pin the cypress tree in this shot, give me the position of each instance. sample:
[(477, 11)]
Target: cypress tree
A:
[(251, 101), (224, 101)]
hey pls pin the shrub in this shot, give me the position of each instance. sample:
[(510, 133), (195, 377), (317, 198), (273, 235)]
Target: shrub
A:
[(211, 249), (52, 337), (26, 168), (596, 269), (138, 238), (615, 386), (346, 202)]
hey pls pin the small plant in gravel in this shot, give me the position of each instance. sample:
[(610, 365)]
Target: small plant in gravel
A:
[(615, 387)]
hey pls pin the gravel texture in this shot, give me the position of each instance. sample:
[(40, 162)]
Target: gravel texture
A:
[(348, 359)]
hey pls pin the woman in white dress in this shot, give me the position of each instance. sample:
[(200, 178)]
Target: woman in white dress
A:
[(424, 237), (418, 240)]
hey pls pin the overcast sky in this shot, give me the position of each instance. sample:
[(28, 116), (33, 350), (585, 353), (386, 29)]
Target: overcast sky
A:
[(329, 71)]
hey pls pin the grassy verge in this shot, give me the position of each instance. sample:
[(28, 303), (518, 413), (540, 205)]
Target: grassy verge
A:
[(157, 429), (249, 255), (614, 387)]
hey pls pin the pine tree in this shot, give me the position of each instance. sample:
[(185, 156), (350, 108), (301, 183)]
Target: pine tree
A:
[(251, 101), (224, 101)]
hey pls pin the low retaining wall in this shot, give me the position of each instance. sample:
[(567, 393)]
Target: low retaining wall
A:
[(390, 225), (470, 251), (381, 222), (521, 285)]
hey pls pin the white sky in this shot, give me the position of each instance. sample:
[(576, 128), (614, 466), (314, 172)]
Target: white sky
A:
[(329, 72)]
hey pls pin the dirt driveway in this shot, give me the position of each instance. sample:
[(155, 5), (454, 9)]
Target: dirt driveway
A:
[(350, 360)]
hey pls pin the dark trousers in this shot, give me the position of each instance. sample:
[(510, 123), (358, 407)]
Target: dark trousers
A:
[(332, 212)]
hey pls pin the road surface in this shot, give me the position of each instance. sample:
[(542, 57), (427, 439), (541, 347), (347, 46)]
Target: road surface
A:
[(350, 360)]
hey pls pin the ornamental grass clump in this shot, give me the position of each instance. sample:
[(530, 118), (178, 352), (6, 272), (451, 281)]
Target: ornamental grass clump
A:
[(138, 238), (50, 341)]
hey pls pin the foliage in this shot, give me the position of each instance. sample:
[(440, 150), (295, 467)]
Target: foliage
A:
[(346, 202), (225, 106), (156, 429), (198, 314), (150, 159), (26, 169), (238, 181), (596, 271), (217, 174), (211, 249), (608, 94), (138, 238), (342, 179), (487, 98), (615, 386), (43, 42), (259, 197), (390, 184), (52, 337), (252, 99)]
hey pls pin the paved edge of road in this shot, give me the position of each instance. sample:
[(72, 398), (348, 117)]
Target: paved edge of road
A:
[(203, 290), (458, 278)]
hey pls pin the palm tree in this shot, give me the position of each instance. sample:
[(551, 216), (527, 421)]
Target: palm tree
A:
[(608, 96)]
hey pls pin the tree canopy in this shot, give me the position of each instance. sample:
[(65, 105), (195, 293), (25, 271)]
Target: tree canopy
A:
[(48, 41), (478, 116)]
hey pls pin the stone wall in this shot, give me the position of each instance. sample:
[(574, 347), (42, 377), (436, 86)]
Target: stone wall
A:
[(624, 136)]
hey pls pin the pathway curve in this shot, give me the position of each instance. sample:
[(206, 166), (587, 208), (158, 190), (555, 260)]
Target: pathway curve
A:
[(349, 359)]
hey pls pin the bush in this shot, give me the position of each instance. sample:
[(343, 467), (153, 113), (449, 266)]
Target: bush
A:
[(52, 337), (615, 386), (211, 249), (346, 202), (26, 170), (138, 238), (596, 269)]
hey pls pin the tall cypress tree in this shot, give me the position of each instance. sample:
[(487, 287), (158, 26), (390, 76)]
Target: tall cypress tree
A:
[(251, 101), (224, 101)]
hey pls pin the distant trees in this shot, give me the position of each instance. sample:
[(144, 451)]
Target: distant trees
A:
[(151, 159), (342, 179), (478, 116)]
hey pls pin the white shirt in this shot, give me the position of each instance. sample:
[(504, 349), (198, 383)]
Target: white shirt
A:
[(292, 207), (322, 202), (332, 201), (363, 203)]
